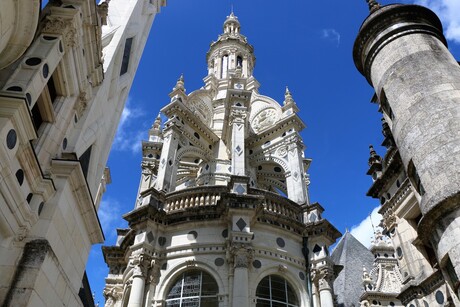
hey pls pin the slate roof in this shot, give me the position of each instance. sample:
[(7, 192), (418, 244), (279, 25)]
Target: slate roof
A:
[(352, 255)]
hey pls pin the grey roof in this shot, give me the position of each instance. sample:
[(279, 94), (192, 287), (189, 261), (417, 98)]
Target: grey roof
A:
[(352, 255)]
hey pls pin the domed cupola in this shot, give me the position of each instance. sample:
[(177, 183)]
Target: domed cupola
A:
[(231, 54), (232, 25)]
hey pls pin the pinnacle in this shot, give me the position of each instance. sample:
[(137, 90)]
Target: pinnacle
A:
[(373, 5), (288, 97)]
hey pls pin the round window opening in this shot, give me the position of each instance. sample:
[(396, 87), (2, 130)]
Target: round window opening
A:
[(193, 288)]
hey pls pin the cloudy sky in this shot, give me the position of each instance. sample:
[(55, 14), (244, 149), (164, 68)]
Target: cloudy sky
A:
[(306, 45)]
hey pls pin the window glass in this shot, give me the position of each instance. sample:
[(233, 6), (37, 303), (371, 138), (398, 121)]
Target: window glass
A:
[(275, 291), (193, 289), (126, 56)]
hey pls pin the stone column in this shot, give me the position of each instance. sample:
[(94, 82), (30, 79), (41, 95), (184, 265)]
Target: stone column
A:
[(295, 181), (153, 279), (168, 156), (237, 123), (315, 295), (136, 296), (325, 290), (141, 265), (242, 256)]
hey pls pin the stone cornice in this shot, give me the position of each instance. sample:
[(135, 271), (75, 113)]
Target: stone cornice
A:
[(70, 170), (178, 107), (268, 134), (424, 287), (387, 24)]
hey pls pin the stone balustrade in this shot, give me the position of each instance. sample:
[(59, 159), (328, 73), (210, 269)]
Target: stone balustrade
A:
[(192, 198)]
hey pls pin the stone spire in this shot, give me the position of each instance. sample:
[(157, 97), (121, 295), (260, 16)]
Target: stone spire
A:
[(288, 97), (155, 131), (180, 83), (373, 5), (157, 123)]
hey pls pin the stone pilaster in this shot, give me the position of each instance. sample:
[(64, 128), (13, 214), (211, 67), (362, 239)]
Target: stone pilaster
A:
[(296, 186), (242, 255), (326, 279), (141, 264), (168, 166), (237, 122)]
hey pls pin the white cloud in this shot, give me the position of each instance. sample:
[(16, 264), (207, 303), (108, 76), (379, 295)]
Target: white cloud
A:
[(129, 136), (331, 35), (364, 232), (110, 216), (448, 11)]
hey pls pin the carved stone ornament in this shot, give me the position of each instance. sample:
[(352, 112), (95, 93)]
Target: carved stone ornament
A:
[(112, 295), (389, 219), (61, 26), (242, 255), (140, 263), (264, 119), (282, 151), (237, 116), (21, 233), (325, 280), (81, 104)]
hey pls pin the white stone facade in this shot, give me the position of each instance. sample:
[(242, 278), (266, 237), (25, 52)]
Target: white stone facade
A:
[(62, 91), (223, 213)]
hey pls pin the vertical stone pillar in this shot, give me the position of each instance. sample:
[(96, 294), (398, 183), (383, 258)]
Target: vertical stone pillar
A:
[(245, 66), (136, 296), (167, 165), (315, 295), (295, 181), (238, 117), (242, 256), (152, 282), (325, 291)]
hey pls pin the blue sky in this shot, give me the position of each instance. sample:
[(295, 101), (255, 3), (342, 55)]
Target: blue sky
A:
[(306, 45)]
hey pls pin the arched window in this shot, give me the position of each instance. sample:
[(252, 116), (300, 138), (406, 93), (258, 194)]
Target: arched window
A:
[(239, 61), (193, 289), (274, 291)]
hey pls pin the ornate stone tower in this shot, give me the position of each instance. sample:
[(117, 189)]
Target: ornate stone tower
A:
[(65, 73), (401, 51), (223, 216)]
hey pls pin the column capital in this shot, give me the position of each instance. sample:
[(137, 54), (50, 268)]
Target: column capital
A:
[(326, 279), (140, 263), (241, 255)]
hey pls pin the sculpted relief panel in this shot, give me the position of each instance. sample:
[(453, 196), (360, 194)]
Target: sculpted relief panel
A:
[(264, 119)]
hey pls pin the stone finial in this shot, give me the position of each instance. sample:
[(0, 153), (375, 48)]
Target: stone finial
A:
[(373, 5), (367, 280), (180, 84), (374, 157), (288, 97), (157, 123), (385, 128)]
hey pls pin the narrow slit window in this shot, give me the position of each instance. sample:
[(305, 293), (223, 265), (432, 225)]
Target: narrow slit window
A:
[(126, 56)]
